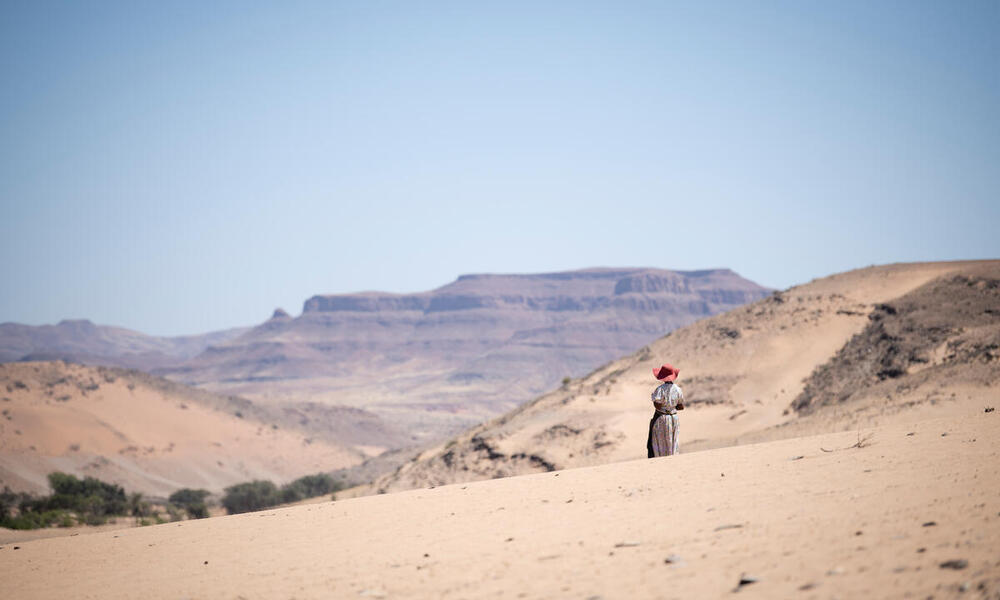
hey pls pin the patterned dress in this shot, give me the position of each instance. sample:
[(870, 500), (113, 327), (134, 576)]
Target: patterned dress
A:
[(662, 439)]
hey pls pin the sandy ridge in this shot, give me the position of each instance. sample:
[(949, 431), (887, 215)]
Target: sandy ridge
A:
[(853, 522)]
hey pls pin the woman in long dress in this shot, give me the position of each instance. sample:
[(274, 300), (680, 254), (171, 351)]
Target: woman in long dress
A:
[(667, 400)]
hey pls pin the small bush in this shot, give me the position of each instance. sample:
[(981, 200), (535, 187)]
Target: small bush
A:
[(258, 495), (250, 496), (192, 501), (312, 486)]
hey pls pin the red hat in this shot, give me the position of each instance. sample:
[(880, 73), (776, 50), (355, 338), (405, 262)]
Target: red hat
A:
[(666, 373)]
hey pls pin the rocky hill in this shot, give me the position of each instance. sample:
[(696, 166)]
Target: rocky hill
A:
[(436, 362), (863, 348)]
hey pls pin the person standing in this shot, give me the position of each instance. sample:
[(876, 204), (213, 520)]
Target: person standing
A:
[(667, 400)]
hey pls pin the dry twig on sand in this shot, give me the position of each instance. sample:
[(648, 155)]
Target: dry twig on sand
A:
[(861, 443)]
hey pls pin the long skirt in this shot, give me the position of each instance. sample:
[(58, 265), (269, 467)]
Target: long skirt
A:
[(662, 440)]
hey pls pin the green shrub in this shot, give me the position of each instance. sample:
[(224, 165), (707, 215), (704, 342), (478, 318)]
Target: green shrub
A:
[(89, 495), (258, 495), (250, 496), (192, 501), (73, 500), (312, 486)]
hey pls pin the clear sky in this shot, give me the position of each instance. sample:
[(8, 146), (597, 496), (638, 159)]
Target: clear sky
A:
[(183, 167)]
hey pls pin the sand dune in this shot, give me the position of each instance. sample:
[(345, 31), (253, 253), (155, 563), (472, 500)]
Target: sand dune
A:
[(144, 433), (913, 512)]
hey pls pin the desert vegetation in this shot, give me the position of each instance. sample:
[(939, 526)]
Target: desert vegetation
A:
[(193, 502), (73, 501), (90, 501), (258, 495)]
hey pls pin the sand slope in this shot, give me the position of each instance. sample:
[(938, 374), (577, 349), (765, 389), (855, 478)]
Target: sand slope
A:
[(146, 434), (744, 373), (875, 521)]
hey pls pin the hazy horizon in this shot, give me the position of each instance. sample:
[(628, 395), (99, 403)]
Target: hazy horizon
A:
[(183, 168)]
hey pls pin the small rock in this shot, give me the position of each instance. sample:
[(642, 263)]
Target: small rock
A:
[(807, 586), (509, 539), (796, 458), (989, 409), (673, 559), (17, 547), (206, 562), (626, 544), (858, 532), (957, 564), (730, 526), (921, 550), (745, 580), (930, 524), (426, 555), (836, 571), (911, 433)]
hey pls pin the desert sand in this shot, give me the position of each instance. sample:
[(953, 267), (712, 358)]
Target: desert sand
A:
[(911, 511), (145, 434)]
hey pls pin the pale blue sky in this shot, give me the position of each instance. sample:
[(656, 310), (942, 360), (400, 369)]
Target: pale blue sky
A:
[(183, 167)]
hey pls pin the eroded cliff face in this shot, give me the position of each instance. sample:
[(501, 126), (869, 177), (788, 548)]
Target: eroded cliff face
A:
[(466, 351)]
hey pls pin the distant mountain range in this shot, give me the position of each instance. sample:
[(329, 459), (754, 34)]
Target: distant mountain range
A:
[(83, 342), (432, 362)]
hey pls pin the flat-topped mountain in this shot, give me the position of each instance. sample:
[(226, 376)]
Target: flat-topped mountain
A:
[(437, 361)]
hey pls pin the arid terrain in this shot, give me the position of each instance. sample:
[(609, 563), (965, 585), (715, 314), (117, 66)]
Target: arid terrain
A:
[(154, 436), (841, 439), (443, 360), (911, 512), (880, 345), (438, 361)]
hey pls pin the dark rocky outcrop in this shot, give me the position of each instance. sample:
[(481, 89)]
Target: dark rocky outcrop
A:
[(949, 321)]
